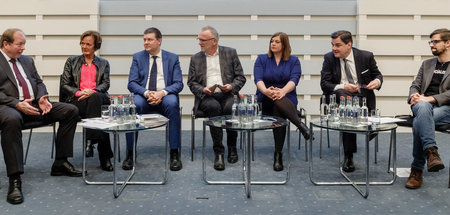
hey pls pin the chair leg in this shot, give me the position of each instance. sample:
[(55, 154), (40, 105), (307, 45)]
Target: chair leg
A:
[(376, 146), (28, 147), (328, 137), (54, 140), (192, 135), (390, 152), (320, 144), (179, 135)]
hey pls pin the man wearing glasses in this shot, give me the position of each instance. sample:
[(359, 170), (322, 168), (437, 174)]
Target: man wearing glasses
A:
[(429, 97), (215, 75)]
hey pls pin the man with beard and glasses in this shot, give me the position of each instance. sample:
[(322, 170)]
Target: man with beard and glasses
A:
[(429, 97)]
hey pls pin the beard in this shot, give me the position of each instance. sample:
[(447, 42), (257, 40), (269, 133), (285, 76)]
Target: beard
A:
[(436, 52)]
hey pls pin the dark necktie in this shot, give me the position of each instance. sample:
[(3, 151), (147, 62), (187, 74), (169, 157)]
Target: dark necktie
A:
[(348, 73), (153, 74), (22, 82)]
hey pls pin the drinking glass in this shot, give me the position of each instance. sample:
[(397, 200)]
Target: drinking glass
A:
[(105, 113)]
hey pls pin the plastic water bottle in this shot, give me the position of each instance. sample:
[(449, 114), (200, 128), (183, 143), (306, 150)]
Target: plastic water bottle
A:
[(126, 108), (333, 109), (324, 109), (250, 109), (257, 106), (119, 110), (342, 109), (112, 109), (242, 109), (364, 112), (356, 111), (132, 108), (348, 110), (235, 109)]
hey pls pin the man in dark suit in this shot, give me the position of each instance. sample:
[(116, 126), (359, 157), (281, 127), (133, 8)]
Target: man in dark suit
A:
[(155, 79), (348, 71), (24, 98), (215, 75), (429, 97)]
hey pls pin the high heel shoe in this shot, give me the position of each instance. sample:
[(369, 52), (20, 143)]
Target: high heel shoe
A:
[(89, 148), (305, 131)]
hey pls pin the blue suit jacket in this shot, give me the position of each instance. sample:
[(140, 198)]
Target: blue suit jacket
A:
[(139, 72)]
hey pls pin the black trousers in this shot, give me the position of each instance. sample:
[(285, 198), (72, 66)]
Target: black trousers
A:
[(11, 124), (285, 109), (89, 108), (216, 105)]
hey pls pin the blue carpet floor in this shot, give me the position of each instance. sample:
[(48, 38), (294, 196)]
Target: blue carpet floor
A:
[(186, 193)]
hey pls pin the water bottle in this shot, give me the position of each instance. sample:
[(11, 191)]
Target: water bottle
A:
[(132, 108), (257, 107), (119, 110), (235, 109), (348, 110), (250, 109), (126, 108), (242, 109), (364, 112), (356, 111), (112, 109), (342, 109), (332, 106), (324, 109)]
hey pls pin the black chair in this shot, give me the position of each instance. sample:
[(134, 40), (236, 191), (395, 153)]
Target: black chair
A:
[(38, 124), (197, 115), (302, 115)]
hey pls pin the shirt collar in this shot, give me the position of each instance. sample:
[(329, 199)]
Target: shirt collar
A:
[(215, 53), (158, 55), (6, 56), (350, 56)]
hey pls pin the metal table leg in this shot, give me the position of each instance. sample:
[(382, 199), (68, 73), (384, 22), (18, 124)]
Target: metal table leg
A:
[(118, 190)]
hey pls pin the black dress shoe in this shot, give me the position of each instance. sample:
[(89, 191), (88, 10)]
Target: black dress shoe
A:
[(128, 163), (15, 195), (278, 161), (65, 168), (89, 148), (305, 131), (175, 162), (219, 164), (348, 166), (232, 155), (106, 165)]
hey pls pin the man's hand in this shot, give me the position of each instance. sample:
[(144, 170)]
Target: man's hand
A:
[(351, 88), (155, 97), (26, 107), (417, 98), (226, 88), (86, 93), (374, 84), (209, 90), (44, 104)]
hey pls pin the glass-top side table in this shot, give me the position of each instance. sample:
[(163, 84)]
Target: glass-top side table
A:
[(246, 130), (155, 121), (366, 130)]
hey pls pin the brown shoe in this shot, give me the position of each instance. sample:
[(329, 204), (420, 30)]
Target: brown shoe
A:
[(434, 162), (415, 179)]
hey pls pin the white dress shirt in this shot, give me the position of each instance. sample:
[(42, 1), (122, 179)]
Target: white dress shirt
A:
[(19, 66), (160, 84), (213, 74)]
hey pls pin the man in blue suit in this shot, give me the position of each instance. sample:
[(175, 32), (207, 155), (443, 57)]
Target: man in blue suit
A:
[(155, 79)]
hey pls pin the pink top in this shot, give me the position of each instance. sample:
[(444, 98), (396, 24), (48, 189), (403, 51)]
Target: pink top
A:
[(88, 78)]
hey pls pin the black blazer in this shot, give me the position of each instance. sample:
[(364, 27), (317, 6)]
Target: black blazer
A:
[(9, 91), (70, 80), (230, 68), (366, 70)]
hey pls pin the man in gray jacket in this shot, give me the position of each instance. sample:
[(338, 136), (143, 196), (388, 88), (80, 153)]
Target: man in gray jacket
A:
[(429, 97), (215, 75)]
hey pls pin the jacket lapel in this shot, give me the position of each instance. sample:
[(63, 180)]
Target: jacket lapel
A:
[(27, 69), (203, 67), (358, 63), (427, 76), (8, 70), (165, 64), (146, 69), (222, 62)]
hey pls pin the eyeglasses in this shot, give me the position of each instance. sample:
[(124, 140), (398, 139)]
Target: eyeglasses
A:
[(85, 44), (204, 40), (434, 42)]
